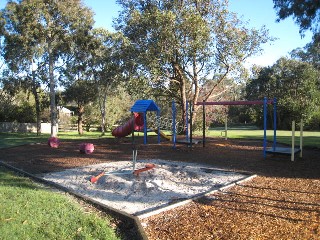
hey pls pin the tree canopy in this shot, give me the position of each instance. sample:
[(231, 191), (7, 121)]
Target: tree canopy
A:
[(296, 86), (44, 31), (186, 49), (305, 13)]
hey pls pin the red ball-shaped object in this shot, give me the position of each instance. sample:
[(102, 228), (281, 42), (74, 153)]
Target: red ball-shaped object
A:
[(86, 148), (53, 142)]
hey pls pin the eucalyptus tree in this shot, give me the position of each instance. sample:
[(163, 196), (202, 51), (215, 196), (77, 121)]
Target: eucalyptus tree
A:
[(82, 92), (296, 86), (106, 65), (43, 30), (310, 53), (98, 59), (307, 15), (187, 48)]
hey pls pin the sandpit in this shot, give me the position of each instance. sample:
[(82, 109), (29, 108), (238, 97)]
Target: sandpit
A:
[(168, 183)]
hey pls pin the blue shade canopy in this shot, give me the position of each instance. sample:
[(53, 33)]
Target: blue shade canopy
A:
[(144, 106)]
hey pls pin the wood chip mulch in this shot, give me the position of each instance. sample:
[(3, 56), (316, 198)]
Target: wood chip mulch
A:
[(263, 208), (282, 202)]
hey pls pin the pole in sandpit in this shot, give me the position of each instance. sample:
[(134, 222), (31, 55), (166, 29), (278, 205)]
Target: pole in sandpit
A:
[(134, 158)]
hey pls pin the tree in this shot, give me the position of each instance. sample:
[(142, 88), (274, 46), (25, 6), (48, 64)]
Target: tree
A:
[(16, 105), (6, 106), (82, 92), (295, 84), (97, 57), (2, 31), (43, 30), (119, 102), (182, 46), (305, 13), (310, 53), (106, 66)]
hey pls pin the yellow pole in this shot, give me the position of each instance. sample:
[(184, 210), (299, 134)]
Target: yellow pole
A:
[(292, 140)]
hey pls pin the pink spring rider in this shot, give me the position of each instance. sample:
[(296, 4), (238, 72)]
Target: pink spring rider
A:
[(86, 148), (53, 142)]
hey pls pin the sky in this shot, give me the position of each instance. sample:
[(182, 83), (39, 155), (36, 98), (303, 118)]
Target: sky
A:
[(256, 12), (261, 12)]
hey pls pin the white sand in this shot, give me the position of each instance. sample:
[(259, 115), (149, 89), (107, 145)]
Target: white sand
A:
[(168, 182)]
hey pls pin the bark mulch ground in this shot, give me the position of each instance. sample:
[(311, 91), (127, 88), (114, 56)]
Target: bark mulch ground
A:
[(282, 202)]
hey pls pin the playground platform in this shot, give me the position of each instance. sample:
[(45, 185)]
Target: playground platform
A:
[(282, 150)]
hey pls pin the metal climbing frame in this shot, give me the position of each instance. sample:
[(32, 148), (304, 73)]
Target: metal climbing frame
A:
[(263, 102)]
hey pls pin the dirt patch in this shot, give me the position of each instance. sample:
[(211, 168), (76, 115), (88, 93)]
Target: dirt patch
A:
[(282, 203)]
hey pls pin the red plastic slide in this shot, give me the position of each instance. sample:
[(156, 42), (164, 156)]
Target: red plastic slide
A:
[(127, 128)]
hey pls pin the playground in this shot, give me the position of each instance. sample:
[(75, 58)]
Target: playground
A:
[(212, 188), (283, 200)]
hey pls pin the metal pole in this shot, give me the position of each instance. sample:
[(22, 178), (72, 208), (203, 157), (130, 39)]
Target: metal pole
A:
[(187, 121), (274, 124), (132, 136), (226, 128), (292, 140), (158, 123), (264, 127), (191, 124), (134, 158), (203, 125), (145, 127), (174, 130), (132, 133), (301, 137)]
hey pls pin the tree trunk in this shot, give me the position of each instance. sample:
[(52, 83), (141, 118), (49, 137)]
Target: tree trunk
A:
[(183, 96), (195, 108), (80, 119), (183, 102), (53, 109), (36, 97), (102, 105)]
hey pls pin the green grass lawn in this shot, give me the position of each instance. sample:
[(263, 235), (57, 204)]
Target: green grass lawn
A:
[(31, 211), (310, 139), (15, 139)]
